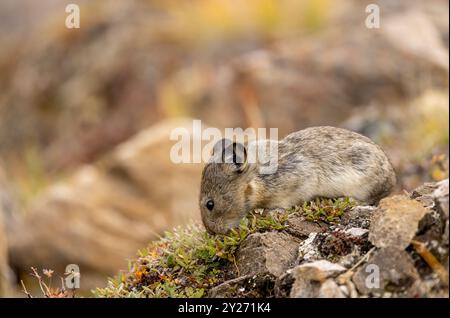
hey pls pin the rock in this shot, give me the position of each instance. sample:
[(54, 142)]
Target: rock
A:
[(283, 285), (395, 222), (433, 230), (311, 280), (356, 232), (272, 252), (4, 268), (445, 236), (338, 243), (426, 44), (358, 216), (321, 268), (104, 213), (300, 227), (251, 286), (425, 190), (5, 277), (312, 289), (396, 273), (308, 251), (433, 194), (304, 288), (330, 289), (341, 243), (440, 194)]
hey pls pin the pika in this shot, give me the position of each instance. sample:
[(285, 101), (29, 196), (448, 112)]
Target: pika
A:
[(314, 162)]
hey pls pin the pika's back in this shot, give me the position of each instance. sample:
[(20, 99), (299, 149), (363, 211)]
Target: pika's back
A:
[(326, 134), (326, 143), (331, 162)]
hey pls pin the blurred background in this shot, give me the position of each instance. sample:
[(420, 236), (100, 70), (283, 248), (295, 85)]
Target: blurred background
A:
[(85, 114)]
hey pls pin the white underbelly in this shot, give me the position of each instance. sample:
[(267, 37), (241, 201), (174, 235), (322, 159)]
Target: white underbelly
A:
[(350, 183)]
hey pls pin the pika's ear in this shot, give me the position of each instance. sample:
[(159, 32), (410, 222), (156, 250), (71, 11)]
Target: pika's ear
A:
[(232, 152), (219, 148), (227, 151)]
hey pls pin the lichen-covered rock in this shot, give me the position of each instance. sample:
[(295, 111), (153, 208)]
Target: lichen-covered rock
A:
[(308, 251), (335, 243), (338, 243), (272, 252), (395, 222), (358, 216)]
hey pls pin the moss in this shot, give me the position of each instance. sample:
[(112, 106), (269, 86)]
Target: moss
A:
[(326, 210), (188, 261)]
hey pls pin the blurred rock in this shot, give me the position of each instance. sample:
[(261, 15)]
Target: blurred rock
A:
[(77, 106), (389, 269), (5, 274), (395, 222), (4, 268), (422, 41), (104, 213)]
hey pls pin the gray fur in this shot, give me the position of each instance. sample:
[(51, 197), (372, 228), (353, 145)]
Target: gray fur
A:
[(314, 162)]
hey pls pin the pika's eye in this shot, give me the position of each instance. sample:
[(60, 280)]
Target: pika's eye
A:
[(210, 204)]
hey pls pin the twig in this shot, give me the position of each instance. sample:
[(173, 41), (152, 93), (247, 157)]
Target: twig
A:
[(431, 261), (366, 256), (235, 265), (44, 288), (24, 289), (345, 277)]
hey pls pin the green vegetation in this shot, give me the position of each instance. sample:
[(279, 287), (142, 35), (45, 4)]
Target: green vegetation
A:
[(189, 261), (326, 210)]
